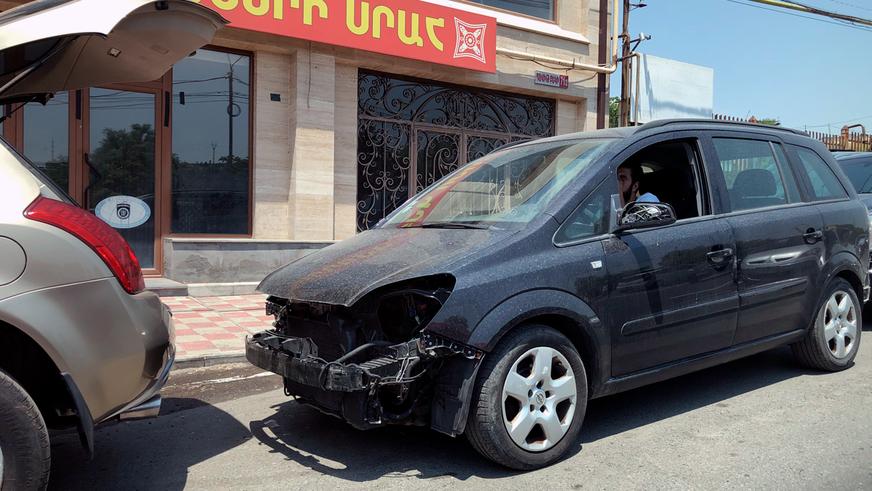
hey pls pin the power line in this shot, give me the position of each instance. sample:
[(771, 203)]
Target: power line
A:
[(852, 5), (801, 7), (777, 11), (838, 122)]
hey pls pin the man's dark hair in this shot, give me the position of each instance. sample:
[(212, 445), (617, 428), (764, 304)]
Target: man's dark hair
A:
[(635, 171)]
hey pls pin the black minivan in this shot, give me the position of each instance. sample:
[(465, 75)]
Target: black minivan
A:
[(497, 302)]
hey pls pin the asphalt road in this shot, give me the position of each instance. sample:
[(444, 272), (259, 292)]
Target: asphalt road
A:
[(760, 422)]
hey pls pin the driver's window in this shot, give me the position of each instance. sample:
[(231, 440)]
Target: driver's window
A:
[(590, 219), (665, 172)]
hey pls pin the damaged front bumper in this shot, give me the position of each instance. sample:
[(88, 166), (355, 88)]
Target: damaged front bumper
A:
[(376, 383)]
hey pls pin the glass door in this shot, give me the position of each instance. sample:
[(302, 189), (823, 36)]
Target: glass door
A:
[(120, 161)]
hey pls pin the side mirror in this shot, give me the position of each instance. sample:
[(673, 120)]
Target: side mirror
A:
[(645, 215)]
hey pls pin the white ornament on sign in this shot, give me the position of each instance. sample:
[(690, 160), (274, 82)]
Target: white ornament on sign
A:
[(123, 211)]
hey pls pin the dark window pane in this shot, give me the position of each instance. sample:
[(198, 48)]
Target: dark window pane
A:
[(455, 107), (859, 172), (438, 155), (753, 175), (46, 138), (382, 170), (210, 176), (447, 126), (536, 8), (824, 184), (122, 163)]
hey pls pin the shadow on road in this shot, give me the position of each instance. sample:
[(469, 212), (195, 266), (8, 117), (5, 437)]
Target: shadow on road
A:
[(148, 454), (331, 447), (615, 414)]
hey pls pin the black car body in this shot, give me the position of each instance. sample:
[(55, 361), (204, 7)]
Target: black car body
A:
[(395, 324)]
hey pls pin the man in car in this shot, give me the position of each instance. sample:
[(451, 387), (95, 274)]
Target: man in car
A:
[(629, 177)]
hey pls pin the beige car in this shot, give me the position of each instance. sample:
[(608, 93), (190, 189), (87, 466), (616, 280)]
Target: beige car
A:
[(81, 342)]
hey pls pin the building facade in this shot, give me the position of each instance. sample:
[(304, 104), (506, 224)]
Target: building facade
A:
[(270, 143)]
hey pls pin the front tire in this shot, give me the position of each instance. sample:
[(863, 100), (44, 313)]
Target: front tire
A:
[(833, 339), (25, 460), (530, 399)]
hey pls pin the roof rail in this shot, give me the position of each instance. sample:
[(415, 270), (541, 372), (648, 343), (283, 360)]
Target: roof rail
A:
[(666, 122)]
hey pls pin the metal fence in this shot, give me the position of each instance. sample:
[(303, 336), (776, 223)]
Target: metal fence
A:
[(846, 140)]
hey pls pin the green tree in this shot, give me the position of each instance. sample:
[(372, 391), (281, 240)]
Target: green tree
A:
[(614, 112), (123, 163)]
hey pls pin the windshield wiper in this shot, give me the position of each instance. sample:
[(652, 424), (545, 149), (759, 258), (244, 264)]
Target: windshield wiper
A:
[(453, 225)]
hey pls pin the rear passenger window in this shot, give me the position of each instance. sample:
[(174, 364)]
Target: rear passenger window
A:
[(755, 177), (824, 184)]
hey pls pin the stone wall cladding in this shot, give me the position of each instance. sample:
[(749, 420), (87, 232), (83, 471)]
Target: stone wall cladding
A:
[(230, 260)]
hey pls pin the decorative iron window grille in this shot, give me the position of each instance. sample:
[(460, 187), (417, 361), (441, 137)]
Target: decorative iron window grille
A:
[(412, 132)]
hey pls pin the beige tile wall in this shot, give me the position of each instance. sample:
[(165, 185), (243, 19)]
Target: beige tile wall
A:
[(313, 194)]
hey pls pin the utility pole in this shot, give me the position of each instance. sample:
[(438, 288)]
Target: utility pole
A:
[(625, 68)]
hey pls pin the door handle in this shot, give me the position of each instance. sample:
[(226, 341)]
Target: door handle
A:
[(720, 257), (812, 236)]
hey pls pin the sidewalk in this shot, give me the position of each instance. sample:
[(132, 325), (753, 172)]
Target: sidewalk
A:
[(213, 329)]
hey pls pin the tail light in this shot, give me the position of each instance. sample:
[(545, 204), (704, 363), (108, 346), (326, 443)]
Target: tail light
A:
[(103, 239)]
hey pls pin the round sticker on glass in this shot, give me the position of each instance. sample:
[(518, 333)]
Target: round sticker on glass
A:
[(123, 211)]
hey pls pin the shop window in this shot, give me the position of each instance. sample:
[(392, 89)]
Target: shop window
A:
[(211, 130), (411, 133), (534, 8), (46, 138)]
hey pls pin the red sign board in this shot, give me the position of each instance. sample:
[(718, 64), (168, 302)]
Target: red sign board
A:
[(405, 28)]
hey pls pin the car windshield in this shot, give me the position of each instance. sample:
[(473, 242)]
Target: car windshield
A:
[(505, 188), (859, 172)]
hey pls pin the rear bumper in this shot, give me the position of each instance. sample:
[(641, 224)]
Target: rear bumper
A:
[(147, 404)]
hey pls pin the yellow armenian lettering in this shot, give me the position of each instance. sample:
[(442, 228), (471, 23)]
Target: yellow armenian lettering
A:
[(379, 13), (278, 9), (350, 16), (431, 33), (226, 4), (261, 9), (414, 37), (309, 6)]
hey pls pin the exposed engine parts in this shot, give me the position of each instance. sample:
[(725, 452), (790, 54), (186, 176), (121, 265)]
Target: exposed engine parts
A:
[(368, 364)]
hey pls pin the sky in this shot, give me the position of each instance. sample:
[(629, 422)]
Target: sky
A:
[(809, 74)]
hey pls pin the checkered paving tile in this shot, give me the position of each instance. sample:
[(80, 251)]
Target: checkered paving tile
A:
[(239, 302), (183, 304), (208, 326)]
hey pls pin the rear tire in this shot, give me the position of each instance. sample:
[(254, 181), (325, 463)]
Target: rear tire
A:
[(25, 458), (533, 419), (833, 339)]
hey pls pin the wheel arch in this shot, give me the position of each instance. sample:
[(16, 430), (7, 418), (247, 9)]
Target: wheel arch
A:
[(559, 310), (26, 361), (846, 266)]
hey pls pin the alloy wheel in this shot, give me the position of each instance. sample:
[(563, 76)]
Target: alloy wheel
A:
[(539, 398), (839, 317)]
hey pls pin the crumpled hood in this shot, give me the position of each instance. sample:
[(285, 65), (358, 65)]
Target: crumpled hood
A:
[(343, 273)]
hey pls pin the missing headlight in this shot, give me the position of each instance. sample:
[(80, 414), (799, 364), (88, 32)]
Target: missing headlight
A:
[(404, 311)]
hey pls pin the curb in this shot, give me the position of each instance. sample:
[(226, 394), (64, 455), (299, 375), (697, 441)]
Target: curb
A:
[(209, 360)]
